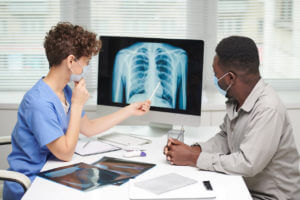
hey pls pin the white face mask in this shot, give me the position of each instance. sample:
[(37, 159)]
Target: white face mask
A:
[(78, 77)]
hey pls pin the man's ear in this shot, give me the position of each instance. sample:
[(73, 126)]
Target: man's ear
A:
[(232, 76)]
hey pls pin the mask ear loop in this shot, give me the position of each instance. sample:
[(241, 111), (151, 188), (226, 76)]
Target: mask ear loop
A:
[(230, 83), (228, 87), (70, 68), (222, 76)]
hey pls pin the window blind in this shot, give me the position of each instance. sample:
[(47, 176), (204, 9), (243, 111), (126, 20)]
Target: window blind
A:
[(23, 25), (181, 19), (22, 57), (273, 24), (137, 18), (275, 27)]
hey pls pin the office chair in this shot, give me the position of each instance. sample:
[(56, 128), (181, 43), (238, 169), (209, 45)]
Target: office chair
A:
[(6, 175)]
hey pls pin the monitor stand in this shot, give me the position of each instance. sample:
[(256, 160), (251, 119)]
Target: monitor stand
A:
[(161, 126)]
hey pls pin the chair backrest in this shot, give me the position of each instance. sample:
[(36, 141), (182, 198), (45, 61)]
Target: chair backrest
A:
[(5, 140), (17, 177), (7, 175)]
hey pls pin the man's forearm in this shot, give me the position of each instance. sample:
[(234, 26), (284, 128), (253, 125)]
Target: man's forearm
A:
[(196, 151), (217, 144)]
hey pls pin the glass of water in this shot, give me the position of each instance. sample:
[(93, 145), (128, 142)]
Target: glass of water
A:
[(176, 134)]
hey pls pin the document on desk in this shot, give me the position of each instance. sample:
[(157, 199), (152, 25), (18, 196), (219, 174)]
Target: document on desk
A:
[(169, 186), (90, 147)]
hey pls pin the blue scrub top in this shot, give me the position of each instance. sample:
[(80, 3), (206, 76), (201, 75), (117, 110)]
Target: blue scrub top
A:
[(41, 120)]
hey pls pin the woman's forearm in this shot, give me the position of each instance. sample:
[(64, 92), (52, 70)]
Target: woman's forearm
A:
[(104, 123), (73, 127), (63, 148)]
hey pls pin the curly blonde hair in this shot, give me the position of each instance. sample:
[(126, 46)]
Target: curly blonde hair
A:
[(66, 39)]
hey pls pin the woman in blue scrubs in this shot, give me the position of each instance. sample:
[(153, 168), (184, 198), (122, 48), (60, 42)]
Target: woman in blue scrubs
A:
[(51, 115)]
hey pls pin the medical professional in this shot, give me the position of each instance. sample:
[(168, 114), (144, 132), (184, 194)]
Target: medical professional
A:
[(256, 138), (51, 115)]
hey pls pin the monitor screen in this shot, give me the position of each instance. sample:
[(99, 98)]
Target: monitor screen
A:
[(169, 71)]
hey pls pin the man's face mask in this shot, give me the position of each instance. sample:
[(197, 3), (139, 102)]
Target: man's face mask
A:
[(77, 77), (216, 81)]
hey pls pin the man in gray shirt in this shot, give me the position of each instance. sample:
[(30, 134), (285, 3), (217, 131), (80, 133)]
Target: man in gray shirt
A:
[(256, 138)]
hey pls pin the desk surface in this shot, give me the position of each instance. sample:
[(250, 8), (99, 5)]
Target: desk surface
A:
[(226, 186)]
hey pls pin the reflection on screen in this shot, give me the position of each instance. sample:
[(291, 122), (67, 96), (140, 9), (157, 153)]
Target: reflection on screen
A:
[(139, 67), (82, 176), (125, 167)]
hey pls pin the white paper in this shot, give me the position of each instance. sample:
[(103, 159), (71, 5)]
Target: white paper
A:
[(165, 183), (89, 147)]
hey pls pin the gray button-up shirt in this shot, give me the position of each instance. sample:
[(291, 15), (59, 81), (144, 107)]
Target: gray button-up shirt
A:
[(256, 142)]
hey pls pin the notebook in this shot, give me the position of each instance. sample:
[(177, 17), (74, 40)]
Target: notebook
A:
[(90, 147), (170, 186)]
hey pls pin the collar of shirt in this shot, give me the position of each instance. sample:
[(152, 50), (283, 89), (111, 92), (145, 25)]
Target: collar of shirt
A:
[(56, 102), (249, 102)]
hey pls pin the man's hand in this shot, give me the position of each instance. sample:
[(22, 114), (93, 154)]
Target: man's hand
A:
[(179, 153)]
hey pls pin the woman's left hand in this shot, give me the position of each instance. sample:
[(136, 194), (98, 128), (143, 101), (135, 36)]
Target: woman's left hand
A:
[(140, 108)]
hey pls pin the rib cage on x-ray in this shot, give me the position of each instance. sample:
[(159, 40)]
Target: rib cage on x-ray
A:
[(139, 67)]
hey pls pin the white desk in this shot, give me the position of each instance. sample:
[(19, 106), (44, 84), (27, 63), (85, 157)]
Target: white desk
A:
[(227, 187)]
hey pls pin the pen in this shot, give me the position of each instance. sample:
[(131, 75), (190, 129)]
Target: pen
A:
[(86, 144), (180, 133), (154, 91)]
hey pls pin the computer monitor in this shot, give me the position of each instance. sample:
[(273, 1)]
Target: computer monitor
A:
[(131, 68)]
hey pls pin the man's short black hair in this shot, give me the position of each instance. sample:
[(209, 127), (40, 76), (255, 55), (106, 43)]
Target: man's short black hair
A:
[(239, 53)]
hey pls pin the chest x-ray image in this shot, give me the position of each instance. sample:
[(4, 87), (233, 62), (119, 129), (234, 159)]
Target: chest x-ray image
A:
[(140, 67)]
